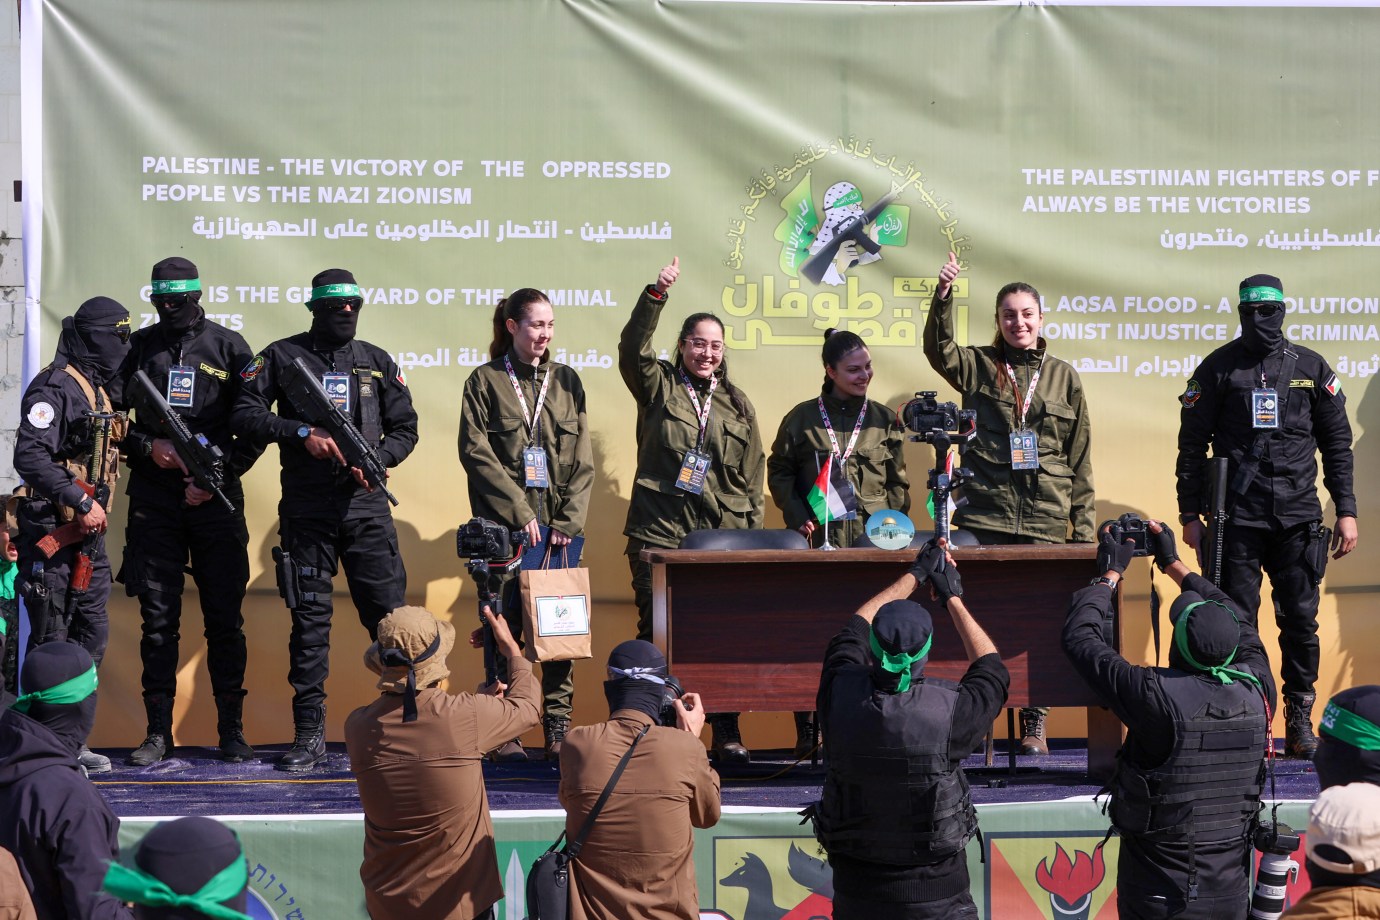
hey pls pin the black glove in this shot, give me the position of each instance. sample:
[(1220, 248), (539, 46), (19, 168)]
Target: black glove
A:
[(1162, 545), (932, 565), (1113, 556)]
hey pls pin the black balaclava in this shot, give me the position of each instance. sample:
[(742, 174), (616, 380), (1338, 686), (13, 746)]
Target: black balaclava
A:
[(47, 666), (1262, 335), (901, 635), (185, 854), (176, 294), (637, 678), (330, 325), (91, 339), (1349, 738)]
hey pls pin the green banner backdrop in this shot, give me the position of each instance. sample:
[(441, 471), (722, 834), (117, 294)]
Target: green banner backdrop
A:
[(750, 862), (1133, 162)]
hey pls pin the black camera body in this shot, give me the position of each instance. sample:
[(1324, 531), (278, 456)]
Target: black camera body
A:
[(671, 692), (483, 539), (1130, 526), (1275, 839), (926, 415), (1276, 842)]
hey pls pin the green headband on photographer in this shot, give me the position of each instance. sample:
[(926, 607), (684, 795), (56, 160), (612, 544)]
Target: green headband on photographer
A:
[(69, 691), (130, 883), (899, 663), (1349, 728), (328, 291), (1262, 295), (176, 286)]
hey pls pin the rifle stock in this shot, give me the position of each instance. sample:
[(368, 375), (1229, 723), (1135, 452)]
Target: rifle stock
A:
[(308, 397)]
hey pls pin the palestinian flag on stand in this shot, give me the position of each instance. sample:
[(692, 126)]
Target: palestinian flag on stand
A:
[(830, 499)]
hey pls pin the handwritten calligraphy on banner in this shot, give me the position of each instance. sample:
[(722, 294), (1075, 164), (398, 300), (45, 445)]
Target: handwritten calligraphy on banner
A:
[(844, 247)]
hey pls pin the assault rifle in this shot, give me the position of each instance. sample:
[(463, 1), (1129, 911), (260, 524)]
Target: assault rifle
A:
[(309, 398), (856, 230), (1216, 519), (203, 460)]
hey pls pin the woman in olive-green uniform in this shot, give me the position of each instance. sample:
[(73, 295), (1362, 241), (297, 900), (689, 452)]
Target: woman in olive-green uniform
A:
[(1032, 457), (518, 408), (699, 450), (861, 435)]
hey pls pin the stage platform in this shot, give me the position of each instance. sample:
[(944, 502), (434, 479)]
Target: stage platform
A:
[(303, 834)]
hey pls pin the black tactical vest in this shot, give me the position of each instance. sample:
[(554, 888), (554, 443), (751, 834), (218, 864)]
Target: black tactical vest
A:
[(891, 795)]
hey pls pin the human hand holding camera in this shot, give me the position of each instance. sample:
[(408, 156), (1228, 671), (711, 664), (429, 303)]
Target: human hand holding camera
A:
[(504, 642), (1162, 545), (689, 713), (935, 565), (1113, 557)]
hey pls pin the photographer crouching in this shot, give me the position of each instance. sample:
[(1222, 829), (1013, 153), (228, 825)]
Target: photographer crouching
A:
[(638, 859), (1186, 792)]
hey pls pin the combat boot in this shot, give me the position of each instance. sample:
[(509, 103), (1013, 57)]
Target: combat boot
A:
[(158, 743), (509, 752), (726, 745), (1033, 733), (555, 728), (1299, 740), (230, 727), (309, 743), (806, 735)]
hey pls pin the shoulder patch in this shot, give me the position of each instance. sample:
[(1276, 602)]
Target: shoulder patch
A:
[(1191, 394), (402, 377), (1332, 387), (252, 369), (41, 415), (1304, 383)]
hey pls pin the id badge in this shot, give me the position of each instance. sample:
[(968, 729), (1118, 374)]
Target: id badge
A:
[(534, 467), (1025, 450), (337, 387), (1264, 408), (181, 386), (693, 469)]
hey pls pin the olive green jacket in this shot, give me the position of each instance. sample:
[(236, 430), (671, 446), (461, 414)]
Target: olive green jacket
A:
[(661, 514), (1041, 504), (876, 469), (493, 435)]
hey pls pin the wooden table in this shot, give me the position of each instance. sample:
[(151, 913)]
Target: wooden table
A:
[(748, 629)]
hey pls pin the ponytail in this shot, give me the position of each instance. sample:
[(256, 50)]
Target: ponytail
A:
[(513, 307)]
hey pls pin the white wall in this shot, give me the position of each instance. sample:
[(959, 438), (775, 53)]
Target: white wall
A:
[(11, 246)]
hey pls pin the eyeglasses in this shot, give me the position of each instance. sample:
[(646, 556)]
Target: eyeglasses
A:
[(336, 304), (123, 330), (168, 301), (1262, 309), (714, 348)]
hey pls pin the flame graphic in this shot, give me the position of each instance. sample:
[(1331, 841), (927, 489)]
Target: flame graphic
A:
[(1071, 880)]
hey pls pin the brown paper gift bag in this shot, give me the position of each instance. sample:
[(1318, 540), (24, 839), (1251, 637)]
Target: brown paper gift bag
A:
[(555, 611)]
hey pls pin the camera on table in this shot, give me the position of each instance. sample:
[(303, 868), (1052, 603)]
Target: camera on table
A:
[(486, 540), (927, 416), (1276, 842), (671, 692), (1130, 526)]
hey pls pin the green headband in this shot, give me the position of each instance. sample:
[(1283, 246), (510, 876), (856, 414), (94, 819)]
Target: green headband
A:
[(177, 286), (898, 664), (1261, 295), (130, 884), (69, 691), (853, 197), (1219, 671), (326, 291), (1349, 728)]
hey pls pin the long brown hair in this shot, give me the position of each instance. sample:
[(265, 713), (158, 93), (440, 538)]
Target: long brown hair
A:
[(514, 307), (735, 395)]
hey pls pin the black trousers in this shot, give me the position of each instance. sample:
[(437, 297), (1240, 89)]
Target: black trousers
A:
[(159, 541), (642, 595), (1280, 553), (368, 549)]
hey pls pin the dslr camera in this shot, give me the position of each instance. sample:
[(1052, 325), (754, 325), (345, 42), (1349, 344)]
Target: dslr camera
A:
[(671, 691), (1130, 526), (482, 539), (1276, 843), (926, 415)]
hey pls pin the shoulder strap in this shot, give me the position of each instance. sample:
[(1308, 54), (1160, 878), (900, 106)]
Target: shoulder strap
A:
[(1250, 465), (85, 385), (573, 847)]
